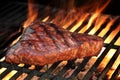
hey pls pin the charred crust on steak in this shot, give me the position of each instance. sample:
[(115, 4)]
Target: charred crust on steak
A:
[(45, 43)]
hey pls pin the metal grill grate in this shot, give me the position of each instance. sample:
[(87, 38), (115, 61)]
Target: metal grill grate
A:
[(17, 14)]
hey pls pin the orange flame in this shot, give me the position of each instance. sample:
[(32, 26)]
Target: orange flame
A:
[(94, 16), (98, 24), (79, 22), (114, 67), (32, 13), (112, 35), (80, 14), (104, 31), (106, 59), (65, 19)]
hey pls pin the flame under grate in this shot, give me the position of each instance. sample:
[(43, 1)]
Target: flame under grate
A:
[(64, 70)]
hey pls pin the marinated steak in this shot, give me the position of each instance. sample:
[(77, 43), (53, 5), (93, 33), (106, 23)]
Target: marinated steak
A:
[(46, 43)]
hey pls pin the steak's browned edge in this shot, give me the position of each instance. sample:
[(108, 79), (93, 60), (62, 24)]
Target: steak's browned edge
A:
[(46, 43)]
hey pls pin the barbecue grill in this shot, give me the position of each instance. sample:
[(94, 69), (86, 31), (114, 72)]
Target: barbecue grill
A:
[(13, 14)]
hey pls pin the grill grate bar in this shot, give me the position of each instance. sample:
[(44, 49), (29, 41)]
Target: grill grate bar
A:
[(47, 73), (113, 46), (95, 65), (22, 16), (59, 78), (52, 67), (71, 26), (11, 15), (89, 29), (109, 65), (80, 68), (102, 26), (2, 53), (111, 29), (27, 66), (19, 14), (31, 74), (69, 65), (5, 12), (83, 24), (116, 73), (20, 19), (44, 12), (6, 72), (19, 69), (4, 7), (115, 38), (14, 77), (52, 15), (38, 67)]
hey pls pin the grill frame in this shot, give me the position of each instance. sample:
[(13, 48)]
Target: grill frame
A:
[(48, 74)]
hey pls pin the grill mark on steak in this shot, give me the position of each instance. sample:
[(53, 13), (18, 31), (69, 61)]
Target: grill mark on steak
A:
[(46, 41), (67, 36), (55, 47), (34, 46), (33, 38), (51, 37), (60, 38), (74, 37), (60, 33), (43, 42)]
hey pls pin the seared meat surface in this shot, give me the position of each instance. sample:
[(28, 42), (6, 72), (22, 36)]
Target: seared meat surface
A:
[(46, 43)]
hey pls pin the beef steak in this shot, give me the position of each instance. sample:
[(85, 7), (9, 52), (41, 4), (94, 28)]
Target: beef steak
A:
[(46, 43)]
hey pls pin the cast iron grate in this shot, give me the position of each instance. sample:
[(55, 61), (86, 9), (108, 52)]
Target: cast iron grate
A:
[(17, 14)]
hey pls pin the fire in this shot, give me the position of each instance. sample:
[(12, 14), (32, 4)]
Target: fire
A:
[(118, 40), (32, 13), (79, 22), (98, 21), (94, 16), (45, 19), (105, 30), (111, 36), (111, 71), (106, 59), (66, 19), (98, 24)]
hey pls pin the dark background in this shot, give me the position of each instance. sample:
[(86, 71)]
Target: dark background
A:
[(113, 8)]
